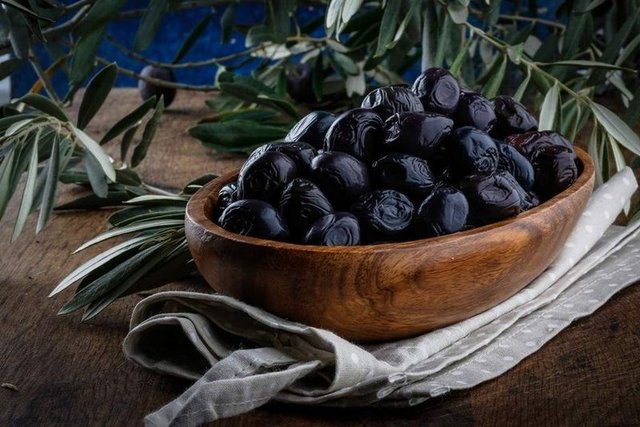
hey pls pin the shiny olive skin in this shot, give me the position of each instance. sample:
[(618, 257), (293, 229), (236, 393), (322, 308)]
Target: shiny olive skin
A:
[(444, 211), (491, 198), (264, 177), (383, 214), (530, 142), (337, 229), (407, 174), (147, 90), (358, 132), (417, 134), (227, 195), (300, 152), (555, 169), (438, 91), (299, 83), (311, 129), (390, 100), (471, 151), (511, 117), (340, 176), (516, 164), (256, 218), (475, 110), (301, 204)]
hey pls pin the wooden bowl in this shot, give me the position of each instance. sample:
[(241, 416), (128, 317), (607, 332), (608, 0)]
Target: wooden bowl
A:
[(387, 291)]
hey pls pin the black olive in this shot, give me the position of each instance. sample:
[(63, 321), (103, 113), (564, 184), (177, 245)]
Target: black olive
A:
[(340, 176), (445, 211), (147, 90), (471, 151), (555, 170), (255, 218), (511, 117), (408, 174), (301, 204), (418, 134), (491, 198), (311, 129), (299, 83), (358, 132), (526, 200), (516, 164), (265, 176), (438, 91), (475, 110), (300, 152), (383, 214), (338, 229), (530, 142), (390, 100), (227, 195)]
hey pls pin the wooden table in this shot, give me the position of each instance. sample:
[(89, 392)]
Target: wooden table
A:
[(70, 373)]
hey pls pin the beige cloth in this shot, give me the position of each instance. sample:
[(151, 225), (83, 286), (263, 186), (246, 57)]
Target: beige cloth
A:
[(241, 357)]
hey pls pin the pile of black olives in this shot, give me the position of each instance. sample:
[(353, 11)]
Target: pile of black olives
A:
[(411, 162)]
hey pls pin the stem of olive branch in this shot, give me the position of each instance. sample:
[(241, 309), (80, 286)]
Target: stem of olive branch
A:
[(212, 61), (159, 82), (531, 64), (43, 78)]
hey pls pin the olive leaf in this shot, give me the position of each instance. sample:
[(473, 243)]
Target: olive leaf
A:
[(96, 93), (549, 109), (616, 127)]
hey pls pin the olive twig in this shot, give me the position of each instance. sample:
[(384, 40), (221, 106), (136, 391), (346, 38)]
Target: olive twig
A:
[(193, 64), (160, 82), (43, 77)]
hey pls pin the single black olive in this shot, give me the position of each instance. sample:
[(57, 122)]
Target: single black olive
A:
[(491, 198), (300, 152), (530, 142), (340, 176), (408, 174), (516, 164), (311, 129), (265, 176), (438, 91), (301, 204), (475, 110), (337, 229), (555, 170), (227, 195), (526, 200), (147, 90), (299, 83), (511, 117), (390, 100), (444, 211), (383, 214), (358, 132), (254, 218), (471, 151), (418, 134)]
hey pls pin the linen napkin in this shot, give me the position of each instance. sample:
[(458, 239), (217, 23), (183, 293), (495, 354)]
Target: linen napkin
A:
[(241, 357)]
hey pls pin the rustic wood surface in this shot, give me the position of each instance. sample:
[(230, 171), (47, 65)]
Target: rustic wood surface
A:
[(68, 373), (387, 291)]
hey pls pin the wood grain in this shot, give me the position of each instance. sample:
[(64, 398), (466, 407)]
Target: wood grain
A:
[(387, 291), (69, 373)]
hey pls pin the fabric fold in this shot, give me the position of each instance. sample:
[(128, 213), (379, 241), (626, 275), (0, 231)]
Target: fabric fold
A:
[(241, 356)]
